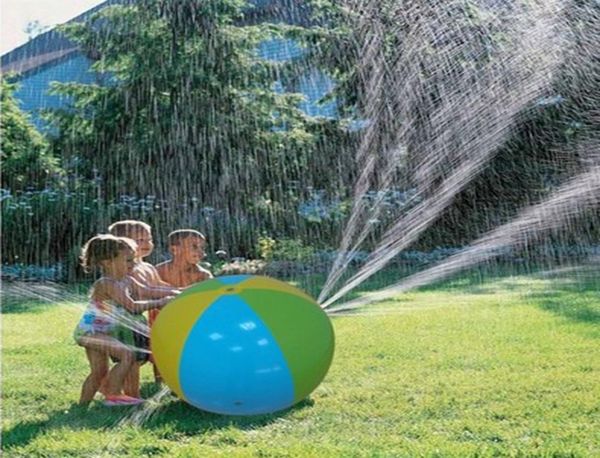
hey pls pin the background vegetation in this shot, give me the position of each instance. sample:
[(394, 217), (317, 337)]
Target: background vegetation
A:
[(192, 129)]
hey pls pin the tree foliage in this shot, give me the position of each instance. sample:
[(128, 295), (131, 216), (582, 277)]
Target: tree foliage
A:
[(190, 108), (26, 161)]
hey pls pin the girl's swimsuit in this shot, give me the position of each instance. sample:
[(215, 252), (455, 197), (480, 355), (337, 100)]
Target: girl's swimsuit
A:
[(111, 319), (100, 317)]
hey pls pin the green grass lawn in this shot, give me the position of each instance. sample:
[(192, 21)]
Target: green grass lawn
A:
[(510, 367)]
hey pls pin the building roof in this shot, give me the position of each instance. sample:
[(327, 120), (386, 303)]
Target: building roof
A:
[(47, 47), (52, 46)]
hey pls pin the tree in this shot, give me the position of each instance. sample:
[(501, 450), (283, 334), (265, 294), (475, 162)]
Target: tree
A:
[(26, 160), (190, 108)]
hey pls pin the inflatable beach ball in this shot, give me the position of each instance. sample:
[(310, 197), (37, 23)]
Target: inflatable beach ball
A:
[(242, 345)]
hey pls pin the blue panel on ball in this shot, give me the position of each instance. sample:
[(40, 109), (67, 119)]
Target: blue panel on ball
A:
[(232, 364), (233, 279)]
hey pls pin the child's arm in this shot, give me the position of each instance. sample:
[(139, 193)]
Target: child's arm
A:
[(204, 274), (112, 291), (145, 291), (155, 279), (149, 284)]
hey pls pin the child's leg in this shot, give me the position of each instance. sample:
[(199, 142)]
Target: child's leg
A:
[(131, 385), (103, 388), (157, 376), (99, 365), (152, 314), (108, 346)]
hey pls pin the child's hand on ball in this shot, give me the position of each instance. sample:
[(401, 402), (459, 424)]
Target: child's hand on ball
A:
[(166, 300)]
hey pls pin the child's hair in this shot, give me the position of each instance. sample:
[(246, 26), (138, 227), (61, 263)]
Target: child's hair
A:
[(128, 227), (177, 236), (102, 248)]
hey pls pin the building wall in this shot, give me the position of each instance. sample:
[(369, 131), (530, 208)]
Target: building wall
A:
[(315, 85), (34, 89), (312, 83)]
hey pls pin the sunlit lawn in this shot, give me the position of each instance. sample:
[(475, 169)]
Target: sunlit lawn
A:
[(510, 367)]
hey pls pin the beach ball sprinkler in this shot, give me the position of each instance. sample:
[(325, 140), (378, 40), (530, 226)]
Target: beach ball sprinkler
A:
[(242, 345)]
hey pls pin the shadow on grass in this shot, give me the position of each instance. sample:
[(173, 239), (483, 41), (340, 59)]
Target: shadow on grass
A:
[(481, 279), (35, 297), (14, 305), (476, 280), (560, 305), (183, 418), (574, 297), (571, 293), (568, 291), (180, 417)]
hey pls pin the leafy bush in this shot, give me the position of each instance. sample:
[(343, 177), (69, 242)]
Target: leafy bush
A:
[(243, 267), (266, 246), (319, 207), (49, 226), (284, 249), (27, 272)]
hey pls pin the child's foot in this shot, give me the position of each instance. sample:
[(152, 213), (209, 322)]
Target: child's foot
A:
[(121, 400)]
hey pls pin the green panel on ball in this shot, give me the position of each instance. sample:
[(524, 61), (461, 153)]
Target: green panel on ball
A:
[(303, 332)]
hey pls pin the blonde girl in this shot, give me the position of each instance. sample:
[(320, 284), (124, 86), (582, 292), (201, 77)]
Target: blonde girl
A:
[(111, 309)]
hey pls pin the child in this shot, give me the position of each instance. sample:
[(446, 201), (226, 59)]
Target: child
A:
[(187, 250), (145, 274), (109, 311), (182, 270)]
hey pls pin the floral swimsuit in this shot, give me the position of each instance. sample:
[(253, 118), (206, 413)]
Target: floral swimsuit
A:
[(111, 319)]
